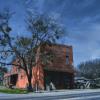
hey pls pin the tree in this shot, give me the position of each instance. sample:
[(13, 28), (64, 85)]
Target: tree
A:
[(90, 69), (44, 30), (2, 71)]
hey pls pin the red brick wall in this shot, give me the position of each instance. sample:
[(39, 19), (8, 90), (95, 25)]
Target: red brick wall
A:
[(22, 81)]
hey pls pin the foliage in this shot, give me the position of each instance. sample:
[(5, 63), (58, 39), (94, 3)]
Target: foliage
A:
[(3, 69), (90, 69)]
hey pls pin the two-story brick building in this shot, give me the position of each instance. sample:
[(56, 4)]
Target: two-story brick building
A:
[(60, 72)]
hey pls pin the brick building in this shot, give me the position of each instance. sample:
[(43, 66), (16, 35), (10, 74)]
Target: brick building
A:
[(60, 72)]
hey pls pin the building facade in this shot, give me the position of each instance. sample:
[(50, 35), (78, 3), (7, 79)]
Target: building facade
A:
[(58, 74)]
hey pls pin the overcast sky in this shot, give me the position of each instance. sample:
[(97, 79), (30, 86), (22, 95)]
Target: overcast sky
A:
[(81, 19)]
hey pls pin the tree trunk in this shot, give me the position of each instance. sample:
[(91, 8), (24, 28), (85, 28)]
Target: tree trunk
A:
[(29, 88)]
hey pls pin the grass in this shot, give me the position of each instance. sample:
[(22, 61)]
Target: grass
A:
[(13, 91)]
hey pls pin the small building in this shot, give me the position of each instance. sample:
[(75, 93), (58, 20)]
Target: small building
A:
[(59, 73)]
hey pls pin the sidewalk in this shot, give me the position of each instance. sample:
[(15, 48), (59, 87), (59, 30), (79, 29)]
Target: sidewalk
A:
[(49, 93)]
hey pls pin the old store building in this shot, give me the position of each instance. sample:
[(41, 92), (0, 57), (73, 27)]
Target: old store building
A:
[(59, 73)]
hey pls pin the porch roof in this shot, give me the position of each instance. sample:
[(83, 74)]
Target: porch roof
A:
[(9, 74)]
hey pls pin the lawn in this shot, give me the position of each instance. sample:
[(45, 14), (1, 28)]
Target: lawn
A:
[(13, 91)]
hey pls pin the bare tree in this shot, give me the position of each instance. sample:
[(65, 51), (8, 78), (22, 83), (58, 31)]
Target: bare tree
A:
[(90, 69), (43, 29)]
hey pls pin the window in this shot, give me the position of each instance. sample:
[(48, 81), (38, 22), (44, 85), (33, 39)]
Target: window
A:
[(21, 76), (67, 59)]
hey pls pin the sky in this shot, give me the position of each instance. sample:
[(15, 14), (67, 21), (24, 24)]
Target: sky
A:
[(80, 18)]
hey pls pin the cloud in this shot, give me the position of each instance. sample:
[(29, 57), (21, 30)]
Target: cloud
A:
[(81, 19)]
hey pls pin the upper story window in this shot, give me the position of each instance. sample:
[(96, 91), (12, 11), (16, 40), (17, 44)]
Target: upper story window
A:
[(67, 59), (67, 55), (21, 76)]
